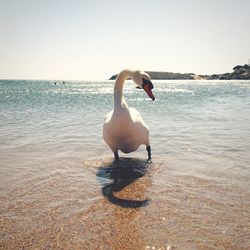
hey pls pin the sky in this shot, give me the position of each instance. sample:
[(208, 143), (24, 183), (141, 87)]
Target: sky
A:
[(94, 39)]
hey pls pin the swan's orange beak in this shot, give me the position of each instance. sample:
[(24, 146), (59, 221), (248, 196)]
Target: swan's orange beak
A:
[(148, 90)]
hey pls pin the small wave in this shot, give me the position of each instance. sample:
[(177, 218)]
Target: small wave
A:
[(175, 90)]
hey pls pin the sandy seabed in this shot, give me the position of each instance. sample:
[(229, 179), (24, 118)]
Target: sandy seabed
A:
[(129, 204)]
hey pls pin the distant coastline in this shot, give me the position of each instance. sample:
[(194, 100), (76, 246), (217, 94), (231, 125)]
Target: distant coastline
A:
[(240, 72)]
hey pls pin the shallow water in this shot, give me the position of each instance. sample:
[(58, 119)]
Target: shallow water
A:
[(61, 189)]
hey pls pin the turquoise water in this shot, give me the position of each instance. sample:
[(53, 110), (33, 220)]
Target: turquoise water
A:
[(200, 133), (190, 120)]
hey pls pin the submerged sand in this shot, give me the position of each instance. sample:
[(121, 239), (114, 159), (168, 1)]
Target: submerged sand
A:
[(130, 204)]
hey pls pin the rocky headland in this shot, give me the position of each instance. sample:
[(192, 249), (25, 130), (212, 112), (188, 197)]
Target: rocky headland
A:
[(240, 72)]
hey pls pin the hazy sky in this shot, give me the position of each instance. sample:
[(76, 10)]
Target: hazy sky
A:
[(91, 39)]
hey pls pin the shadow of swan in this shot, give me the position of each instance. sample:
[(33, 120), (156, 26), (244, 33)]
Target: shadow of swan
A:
[(116, 175)]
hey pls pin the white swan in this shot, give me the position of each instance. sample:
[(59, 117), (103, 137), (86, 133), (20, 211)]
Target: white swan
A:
[(124, 128)]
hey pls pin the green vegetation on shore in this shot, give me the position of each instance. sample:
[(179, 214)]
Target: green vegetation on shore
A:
[(240, 72)]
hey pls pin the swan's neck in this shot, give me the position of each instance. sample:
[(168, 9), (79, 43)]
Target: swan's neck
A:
[(119, 101)]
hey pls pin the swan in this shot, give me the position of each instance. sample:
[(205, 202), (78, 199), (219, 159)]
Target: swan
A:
[(123, 127)]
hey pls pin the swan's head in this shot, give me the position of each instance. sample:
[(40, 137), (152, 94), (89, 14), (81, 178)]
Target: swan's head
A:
[(143, 81)]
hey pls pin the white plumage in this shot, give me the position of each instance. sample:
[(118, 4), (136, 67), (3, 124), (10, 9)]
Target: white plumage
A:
[(124, 128)]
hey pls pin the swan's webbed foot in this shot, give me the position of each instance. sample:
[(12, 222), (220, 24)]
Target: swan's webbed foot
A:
[(149, 152), (116, 155)]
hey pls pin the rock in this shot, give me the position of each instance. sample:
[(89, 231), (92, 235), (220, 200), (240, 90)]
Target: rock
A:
[(157, 75), (240, 72), (113, 77)]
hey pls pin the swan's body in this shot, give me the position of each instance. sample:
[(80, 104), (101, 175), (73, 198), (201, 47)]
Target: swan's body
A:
[(124, 128)]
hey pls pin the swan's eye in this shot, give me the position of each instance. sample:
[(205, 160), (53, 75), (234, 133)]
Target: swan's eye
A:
[(147, 82)]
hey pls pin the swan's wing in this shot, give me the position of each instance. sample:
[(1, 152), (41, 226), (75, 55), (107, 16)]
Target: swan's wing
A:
[(136, 117), (140, 127), (108, 117)]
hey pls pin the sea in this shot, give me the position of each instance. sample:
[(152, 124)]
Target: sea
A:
[(60, 188)]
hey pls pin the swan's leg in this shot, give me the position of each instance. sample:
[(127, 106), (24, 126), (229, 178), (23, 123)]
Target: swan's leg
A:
[(116, 155), (149, 152)]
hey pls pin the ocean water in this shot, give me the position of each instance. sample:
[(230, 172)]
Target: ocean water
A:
[(60, 188)]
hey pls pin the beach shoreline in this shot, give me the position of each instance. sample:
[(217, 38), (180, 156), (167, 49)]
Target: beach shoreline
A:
[(61, 189), (66, 211)]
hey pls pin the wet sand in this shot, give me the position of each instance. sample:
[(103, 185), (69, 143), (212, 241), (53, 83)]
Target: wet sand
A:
[(132, 204)]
